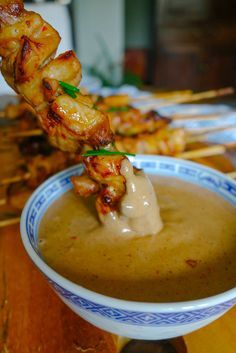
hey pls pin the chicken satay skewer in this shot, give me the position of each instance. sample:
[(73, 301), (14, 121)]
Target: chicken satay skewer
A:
[(39, 168), (189, 139), (27, 47), (13, 111), (195, 133)]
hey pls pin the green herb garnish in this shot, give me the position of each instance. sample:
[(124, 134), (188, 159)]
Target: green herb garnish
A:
[(70, 93), (69, 89), (103, 152), (118, 109)]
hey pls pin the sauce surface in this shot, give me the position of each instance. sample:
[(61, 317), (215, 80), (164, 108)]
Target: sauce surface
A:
[(192, 257)]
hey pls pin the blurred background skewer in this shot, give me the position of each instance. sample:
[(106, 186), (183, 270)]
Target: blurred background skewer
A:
[(192, 98)]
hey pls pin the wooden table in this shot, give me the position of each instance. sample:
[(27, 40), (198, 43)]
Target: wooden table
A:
[(33, 319)]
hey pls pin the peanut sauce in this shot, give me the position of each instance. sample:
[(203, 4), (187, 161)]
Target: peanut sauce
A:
[(193, 255)]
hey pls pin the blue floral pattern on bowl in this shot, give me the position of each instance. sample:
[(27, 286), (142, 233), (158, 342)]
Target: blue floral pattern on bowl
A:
[(147, 319)]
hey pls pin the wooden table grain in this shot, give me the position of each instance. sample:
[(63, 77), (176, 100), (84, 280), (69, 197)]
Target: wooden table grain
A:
[(33, 319)]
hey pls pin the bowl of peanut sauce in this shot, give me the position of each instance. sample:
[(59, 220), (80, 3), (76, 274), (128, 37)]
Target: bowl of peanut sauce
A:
[(154, 287)]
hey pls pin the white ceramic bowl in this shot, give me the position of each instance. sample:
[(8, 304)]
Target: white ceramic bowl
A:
[(127, 318)]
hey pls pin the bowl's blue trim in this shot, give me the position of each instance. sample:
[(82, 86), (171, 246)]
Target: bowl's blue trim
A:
[(44, 197), (193, 173), (150, 319)]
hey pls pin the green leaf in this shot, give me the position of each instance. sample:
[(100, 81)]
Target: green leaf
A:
[(70, 93), (118, 109), (103, 152), (69, 89), (68, 86)]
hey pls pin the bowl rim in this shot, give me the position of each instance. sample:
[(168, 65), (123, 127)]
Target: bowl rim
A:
[(163, 307)]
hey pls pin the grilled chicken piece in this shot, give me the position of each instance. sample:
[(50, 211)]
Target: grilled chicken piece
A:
[(74, 123), (133, 122), (167, 142), (41, 167), (27, 47), (129, 121), (17, 195), (105, 170), (23, 113), (15, 111), (118, 100)]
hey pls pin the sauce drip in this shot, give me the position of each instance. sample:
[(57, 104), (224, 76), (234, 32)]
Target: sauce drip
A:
[(139, 211)]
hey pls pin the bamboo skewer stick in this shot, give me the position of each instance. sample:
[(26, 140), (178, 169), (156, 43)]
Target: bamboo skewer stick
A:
[(3, 202), (163, 95), (196, 117), (26, 133), (15, 179), (203, 152), (200, 137), (206, 95), (9, 221), (232, 175), (208, 130), (196, 138), (192, 98)]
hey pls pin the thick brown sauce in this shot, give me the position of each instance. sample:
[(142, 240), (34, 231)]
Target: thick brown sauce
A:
[(194, 255), (139, 213)]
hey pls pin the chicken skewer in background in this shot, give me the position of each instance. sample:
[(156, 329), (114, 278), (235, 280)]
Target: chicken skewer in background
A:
[(27, 47), (135, 131), (31, 174), (124, 120), (148, 134)]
